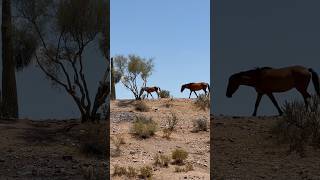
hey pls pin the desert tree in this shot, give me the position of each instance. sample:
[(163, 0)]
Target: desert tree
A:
[(134, 69), (64, 29), (9, 103)]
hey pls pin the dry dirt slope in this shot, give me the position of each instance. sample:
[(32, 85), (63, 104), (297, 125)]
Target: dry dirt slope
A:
[(137, 152), (244, 148)]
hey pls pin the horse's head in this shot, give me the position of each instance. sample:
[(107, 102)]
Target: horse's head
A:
[(158, 89), (183, 87), (233, 85)]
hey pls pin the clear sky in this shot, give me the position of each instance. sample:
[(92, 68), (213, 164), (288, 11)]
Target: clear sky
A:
[(251, 33), (175, 33)]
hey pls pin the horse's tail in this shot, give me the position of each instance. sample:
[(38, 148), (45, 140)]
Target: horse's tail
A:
[(315, 80)]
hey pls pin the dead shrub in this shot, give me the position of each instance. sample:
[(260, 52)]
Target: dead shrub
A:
[(141, 106), (161, 160), (132, 172), (94, 140), (179, 156), (146, 172), (171, 124), (144, 127), (299, 126), (118, 141), (202, 102), (200, 125)]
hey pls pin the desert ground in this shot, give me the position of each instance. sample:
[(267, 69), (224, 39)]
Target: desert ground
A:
[(45, 150), (245, 148), (140, 152)]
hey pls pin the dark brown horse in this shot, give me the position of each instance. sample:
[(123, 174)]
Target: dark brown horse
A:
[(149, 90), (193, 87), (269, 80)]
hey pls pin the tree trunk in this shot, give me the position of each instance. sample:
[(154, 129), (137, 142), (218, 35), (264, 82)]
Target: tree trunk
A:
[(9, 89), (113, 88)]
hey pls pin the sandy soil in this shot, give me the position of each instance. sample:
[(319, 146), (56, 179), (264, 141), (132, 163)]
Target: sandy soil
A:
[(244, 148), (140, 152), (43, 150)]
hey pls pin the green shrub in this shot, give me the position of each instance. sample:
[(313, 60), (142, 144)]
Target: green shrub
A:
[(144, 127), (202, 102), (164, 94), (179, 156)]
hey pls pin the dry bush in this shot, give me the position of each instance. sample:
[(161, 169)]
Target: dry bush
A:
[(118, 141), (141, 106), (200, 125), (119, 171), (299, 126), (171, 124), (93, 172), (146, 172), (132, 172), (168, 105), (144, 127), (202, 102), (164, 94), (161, 160), (187, 168), (94, 140), (179, 156)]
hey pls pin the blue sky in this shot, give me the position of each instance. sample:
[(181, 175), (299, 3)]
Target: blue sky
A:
[(175, 33)]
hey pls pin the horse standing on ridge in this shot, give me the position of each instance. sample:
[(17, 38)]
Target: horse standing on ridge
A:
[(193, 87), (267, 80), (149, 90)]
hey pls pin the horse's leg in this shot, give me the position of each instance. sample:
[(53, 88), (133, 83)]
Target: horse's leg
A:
[(305, 94), (147, 95), (190, 94), (273, 99), (205, 91), (195, 93), (151, 95), (259, 96)]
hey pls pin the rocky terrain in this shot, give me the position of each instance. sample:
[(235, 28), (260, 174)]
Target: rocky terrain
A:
[(140, 152), (46, 150), (245, 148)]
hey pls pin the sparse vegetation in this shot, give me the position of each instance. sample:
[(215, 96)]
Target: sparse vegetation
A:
[(187, 168), (161, 160), (119, 171), (146, 172), (132, 172), (179, 156), (299, 126), (164, 94), (200, 125), (144, 127), (93, 172), (170, 125), (117, 141), (141, 106), (202, 102), (94, 141)]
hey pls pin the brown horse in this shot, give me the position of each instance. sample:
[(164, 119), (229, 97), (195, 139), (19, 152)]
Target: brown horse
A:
[(269, 80), (193, 87), (149, 90)]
